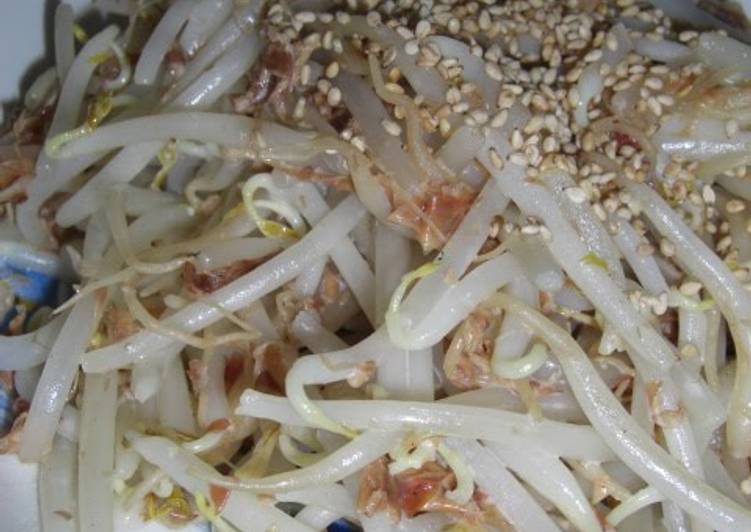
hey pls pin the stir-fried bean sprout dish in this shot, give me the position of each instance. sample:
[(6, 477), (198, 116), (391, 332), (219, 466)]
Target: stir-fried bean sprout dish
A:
[(411, 265)]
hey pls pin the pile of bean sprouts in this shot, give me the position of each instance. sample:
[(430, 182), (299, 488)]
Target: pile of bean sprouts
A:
[(413, 265)]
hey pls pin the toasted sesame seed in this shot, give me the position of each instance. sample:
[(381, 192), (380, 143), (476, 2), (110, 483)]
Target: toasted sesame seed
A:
[(391, 127)]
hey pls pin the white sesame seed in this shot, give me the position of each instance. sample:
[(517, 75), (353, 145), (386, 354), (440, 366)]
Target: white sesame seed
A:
[(735, 206), (453, 96), (653, 83), (517, 141), (479, 116), (495, 159), (493, 72), (534, 124), (690, 288), (611, 42), (573, 97), (576, 194), (334, 96), (305, 74), (665, 99), (454, 26), (531, 229), (708, 194), (422, 29), (332, 70), (444, 126), (391, 127), (686, 36), (499, 119), (411, 47), (323, 86), (731, 128), (306, 17), (594, 55), (667, 248), (394, 87), (654, 106)]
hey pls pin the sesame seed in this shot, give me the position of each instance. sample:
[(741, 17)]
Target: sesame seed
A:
[(391, 127), (453, 96), (531, 229), (654, 106), (411, 47), (690, 288), (394, 87), (573, 97), (594, 55), (667, 248), (422, 29), (305, 17), (495, 159), (653, 83), (444, 126), (305, 74), (735, 206), (493, 72), (332, 70), (499, 119), (576, 194), (517, 141), (534, 125), (479, 116), (708, 194), (686, 36), (611, 42), (454, 26), (323, 86), (334, 97)]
